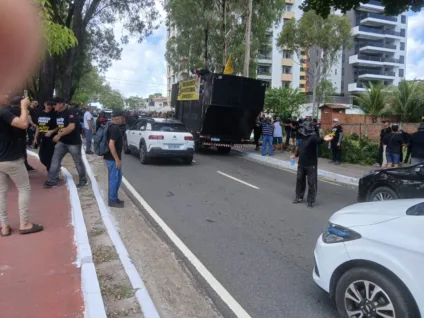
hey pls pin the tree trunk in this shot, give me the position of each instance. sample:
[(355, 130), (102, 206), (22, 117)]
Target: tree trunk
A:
[(206, 46), (224, 32), (47, 79), (247, 38)]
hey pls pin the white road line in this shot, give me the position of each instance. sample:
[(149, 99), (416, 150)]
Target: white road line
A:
[(238, 180), (212, 281)]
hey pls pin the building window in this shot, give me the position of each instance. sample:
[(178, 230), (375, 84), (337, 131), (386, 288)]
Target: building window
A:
[(287, 70), (169, 81), (342, 85), (302, 77), (335, 71), (403, 19), (402, 32), (264, 70), (302, 86), (285, 84), (402, 46), (401, 72), (287, 54), (288, 7), (402, 59)]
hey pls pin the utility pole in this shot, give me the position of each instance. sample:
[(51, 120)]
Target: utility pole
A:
[(247, 38)]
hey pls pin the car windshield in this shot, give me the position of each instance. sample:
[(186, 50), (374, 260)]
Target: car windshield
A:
[(417, 209), (169, 127)]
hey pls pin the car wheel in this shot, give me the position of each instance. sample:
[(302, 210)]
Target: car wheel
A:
[(127, 150), (224, 150), (367, 293), (144, 160), (188, 160), (383, 194)]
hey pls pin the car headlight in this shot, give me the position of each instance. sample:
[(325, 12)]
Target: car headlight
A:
[(336, 234)]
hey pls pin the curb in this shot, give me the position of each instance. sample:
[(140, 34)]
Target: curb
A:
[(145, 301), (328, 175), (94, 306)]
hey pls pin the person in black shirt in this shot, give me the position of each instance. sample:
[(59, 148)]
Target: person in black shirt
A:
[(33, 111), (393, 142), (12, 167), (386, 130), (257, 131), (336, 142), (46, 129), (307, 165), (113, 158), (416, 146), (68, 140), (294, 135)]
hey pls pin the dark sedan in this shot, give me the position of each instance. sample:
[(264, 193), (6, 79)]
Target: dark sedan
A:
[(392, 184)]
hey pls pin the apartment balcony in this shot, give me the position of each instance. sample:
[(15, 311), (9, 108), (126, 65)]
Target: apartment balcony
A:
[(302, 73), (303, 90), (375, 19), (371, 6), (302, 81), (287, 77), (372, 47), (287, 61), (288, 15), (264, 76), (264, 59), (364, 60), (375, 34), (373, 75), (355, 88)]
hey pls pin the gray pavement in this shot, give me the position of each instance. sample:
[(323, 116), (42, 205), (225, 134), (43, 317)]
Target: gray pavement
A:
[(254, 241)]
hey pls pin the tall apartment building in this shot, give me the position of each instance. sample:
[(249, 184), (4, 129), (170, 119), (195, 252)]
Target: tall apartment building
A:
[(379, 50)]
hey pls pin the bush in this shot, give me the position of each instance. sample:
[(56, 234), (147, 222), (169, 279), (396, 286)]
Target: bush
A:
[(355, 150)]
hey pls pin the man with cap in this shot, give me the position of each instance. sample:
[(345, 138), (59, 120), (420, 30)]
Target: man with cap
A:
[(336, 142), (113, 158), (416, 146), (308, 161), (68, 140)]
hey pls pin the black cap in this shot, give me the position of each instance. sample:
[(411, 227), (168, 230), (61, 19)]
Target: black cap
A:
[(117, 113), (58, 100)]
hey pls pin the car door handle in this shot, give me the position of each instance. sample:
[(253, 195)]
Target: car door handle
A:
[(139, 134)]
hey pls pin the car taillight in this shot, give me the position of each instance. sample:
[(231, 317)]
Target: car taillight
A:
[(156, 137), (188, 138)]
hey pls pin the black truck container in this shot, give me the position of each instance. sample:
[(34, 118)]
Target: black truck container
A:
[(225, 112)]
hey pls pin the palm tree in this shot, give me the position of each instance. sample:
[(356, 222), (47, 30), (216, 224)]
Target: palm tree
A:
[(406, 101), (373, 100)]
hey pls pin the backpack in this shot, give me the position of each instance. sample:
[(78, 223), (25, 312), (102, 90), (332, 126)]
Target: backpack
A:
[(101, 144)]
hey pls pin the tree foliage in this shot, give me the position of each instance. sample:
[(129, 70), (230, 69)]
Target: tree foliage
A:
[(135, 102), (111, 98), (325, 92), (406, 101), (373, 101), (155, 95), (201, 36), (322, 39), (90, 87), (392, 7), (284, 101)]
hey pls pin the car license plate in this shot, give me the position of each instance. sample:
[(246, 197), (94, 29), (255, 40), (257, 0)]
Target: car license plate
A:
[(174, 146), (215, 139)]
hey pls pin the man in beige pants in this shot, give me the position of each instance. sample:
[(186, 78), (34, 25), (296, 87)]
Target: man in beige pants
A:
[(12, 166)]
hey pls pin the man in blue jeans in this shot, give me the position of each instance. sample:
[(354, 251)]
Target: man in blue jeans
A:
[(113, 158), (267, 136), (89, 130)]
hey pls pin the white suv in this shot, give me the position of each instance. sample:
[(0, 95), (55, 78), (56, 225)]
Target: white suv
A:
[(159, 138)]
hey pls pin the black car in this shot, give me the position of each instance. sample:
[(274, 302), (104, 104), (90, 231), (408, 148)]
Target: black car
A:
[(392, 184)]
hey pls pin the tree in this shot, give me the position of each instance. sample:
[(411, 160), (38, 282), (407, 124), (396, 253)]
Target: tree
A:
[(322, 39), (155, 95), (325, 92), (90, 87), (373, 101), (284, 102), (135, 102), (197, 44), (392, 7), (111, 98), (406, 101)]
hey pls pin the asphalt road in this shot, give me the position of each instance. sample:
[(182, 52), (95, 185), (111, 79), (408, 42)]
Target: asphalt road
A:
[(254, 241)]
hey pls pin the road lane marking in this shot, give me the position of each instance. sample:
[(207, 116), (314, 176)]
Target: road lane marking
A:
[(202, 270), (238, 180)]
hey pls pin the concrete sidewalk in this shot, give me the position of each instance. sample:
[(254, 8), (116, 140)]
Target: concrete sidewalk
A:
[(38, 276), (345, 173)]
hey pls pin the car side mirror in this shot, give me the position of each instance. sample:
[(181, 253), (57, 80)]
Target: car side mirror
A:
[(420, 170)]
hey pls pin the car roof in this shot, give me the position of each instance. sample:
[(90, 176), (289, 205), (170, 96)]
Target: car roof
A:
[(165, 120)]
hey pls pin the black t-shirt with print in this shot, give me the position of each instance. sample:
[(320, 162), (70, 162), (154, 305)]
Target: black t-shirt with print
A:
[(336, 131), (114, 133), (63, 119), (46, 121), (10, 141)]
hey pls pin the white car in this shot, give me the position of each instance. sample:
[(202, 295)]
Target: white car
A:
[(159, 138), (370, 259)]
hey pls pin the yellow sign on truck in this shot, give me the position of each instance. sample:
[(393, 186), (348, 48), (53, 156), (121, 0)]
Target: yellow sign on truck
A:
[(189, 90)]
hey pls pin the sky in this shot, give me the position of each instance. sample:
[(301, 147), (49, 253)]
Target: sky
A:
[(142, 68)]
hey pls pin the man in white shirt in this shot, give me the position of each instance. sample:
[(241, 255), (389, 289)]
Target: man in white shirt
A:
[(89, 130), (278, 135)]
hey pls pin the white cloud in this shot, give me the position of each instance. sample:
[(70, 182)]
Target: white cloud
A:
[(142, 68), (415, 46)]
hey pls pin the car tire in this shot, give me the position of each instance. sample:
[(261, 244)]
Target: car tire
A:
[(188, 160), (383, 194), (224, 150), (144, 160), (392, 291), (127, 150)]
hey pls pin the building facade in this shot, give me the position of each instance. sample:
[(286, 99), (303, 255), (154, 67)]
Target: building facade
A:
[(379, 50)]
